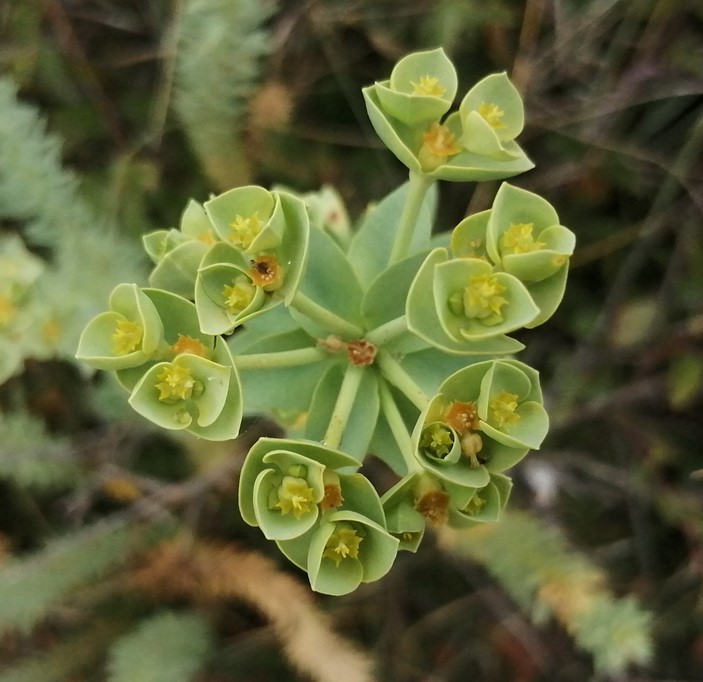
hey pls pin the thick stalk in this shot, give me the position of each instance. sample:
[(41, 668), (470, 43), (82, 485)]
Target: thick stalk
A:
[(329, 320), (343, 406), (398, 428), (286, 358), (388, 331), (396, 375), (418, 186)]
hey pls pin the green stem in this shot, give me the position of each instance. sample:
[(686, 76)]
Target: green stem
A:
[(331, 321), (388, 331), (343, 406), (286, 358), (396, 375), (418, 186), (398, 428)]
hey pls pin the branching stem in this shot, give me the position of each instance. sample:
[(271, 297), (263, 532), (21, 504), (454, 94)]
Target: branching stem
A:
[(417, 189), (388, 331), (396, 375), (286, 358), (331, 321), (398, 428), (343, 406)]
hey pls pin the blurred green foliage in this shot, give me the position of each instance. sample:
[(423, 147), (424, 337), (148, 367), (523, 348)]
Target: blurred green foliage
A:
[(95, 150)]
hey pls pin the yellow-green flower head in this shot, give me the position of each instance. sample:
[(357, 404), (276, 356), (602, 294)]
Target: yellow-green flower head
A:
[(421, 88), (473, 144), (127, 336), (492, 116), (192, 392), (286, 484)]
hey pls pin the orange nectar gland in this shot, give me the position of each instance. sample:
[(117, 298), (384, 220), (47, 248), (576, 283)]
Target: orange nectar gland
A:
[(439, 143), (245, 230), (175, 383), (434, 506), (518, 238), (187, 344), (429, 86), (295, 497), (239, 295), (503, 408), (266, 272), (462, 417), (343, 543), (482, 298), (127, 337), (492, 114)]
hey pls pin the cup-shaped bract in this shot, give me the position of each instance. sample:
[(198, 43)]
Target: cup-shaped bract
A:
[(347, 549), (225, 292), (492, 116), (124, 337), (485, 504), (403, 519), (250, 218), (192, 393), (474, 302), (285, 485), (448, 448), (177, 253), (421, 88), (507, 399), (524, 235)]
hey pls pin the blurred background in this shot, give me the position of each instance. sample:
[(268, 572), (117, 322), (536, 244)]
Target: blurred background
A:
[(122, 554)]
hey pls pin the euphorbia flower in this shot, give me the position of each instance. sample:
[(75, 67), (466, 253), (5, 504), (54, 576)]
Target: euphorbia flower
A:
[(476, 143), (126, 336), (522, 236), (286, 483)]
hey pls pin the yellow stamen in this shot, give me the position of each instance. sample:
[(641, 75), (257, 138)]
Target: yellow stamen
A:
[(439, 143), (343, 543), (428, 85), (245, 230), (437, 439), (127, 337), (207, 237), (295, 497), (518, 238), (492, 114), (239, 295), (482, 298), (504, 407), (175, 383)]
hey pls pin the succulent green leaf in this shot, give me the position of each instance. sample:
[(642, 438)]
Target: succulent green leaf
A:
[(372, 242), (326, 577), (178, 268), (547, 295), (362, 419), (484, 506), (195, 224)]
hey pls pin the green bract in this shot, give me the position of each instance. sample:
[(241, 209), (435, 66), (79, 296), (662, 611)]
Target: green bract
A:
[(476, 143), (371, 338), (126, 336), (421, 88), (522, 236)]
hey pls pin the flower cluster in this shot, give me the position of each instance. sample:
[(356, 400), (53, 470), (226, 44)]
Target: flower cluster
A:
[(358, 341)]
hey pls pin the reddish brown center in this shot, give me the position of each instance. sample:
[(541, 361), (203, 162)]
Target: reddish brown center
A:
[(361, 352)]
